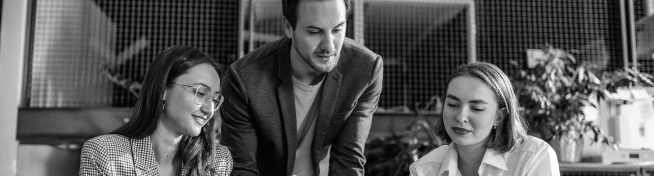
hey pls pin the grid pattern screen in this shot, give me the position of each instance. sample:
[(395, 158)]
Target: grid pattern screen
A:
[(420, 42), (644, 27), (588, 29), (94, 53), (599, 173)]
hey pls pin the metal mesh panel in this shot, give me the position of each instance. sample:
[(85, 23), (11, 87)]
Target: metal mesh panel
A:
[(598, 169), (420, 41), (644, 23), (600, 173), (589, 29), (89, 53)]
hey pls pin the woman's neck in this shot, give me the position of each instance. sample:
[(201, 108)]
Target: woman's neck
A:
[(470, 158), (165, 144)]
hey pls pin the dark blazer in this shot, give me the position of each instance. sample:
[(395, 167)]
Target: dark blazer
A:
[(259, 123), (114, 154)]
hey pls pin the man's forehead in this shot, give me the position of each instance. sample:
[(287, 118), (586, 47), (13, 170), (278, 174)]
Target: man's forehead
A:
[(321, 13)]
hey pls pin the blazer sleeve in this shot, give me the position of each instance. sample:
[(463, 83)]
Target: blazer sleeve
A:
[(237, 129), (347, 149), (88, 160)]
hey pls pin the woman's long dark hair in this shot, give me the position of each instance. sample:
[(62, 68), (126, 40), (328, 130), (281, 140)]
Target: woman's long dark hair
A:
[(197, 152)]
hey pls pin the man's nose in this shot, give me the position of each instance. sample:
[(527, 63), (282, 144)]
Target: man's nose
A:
[(327, 43)]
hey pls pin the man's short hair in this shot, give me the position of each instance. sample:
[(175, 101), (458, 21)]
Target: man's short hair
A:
[(289, 10)]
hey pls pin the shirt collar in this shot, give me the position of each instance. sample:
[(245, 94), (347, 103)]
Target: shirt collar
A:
[(491, 157), (450, 162), (494, 158)]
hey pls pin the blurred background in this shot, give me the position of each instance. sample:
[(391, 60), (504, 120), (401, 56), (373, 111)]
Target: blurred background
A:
[(71, 69)]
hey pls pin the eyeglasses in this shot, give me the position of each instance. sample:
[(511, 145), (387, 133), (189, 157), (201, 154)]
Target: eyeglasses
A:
[(202, 94)]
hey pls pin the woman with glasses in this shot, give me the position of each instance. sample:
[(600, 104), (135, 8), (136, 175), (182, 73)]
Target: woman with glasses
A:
[(172, 131)]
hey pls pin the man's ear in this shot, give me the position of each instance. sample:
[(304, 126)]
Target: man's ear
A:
[(288, 28)]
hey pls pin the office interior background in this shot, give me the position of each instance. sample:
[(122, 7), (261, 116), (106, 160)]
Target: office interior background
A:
[(71, 69)]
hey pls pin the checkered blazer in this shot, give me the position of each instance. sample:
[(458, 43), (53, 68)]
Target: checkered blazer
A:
[(114, 154)]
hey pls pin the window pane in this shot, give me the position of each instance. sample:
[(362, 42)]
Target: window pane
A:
[(89, 53), (420, 41)]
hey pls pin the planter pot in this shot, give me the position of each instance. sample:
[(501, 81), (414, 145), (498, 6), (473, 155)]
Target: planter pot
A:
[(568, 150)]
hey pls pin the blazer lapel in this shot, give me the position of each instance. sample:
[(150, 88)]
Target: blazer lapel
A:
[(330, 92), (287, 102), (143, 156)]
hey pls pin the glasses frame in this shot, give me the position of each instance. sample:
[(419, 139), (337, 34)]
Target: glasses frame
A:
[(196, 88)]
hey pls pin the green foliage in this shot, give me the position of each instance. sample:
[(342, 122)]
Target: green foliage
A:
[(554, 92), (392, 156)]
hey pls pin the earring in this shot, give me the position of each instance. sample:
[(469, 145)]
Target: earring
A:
[(494, 127), (163, 106)]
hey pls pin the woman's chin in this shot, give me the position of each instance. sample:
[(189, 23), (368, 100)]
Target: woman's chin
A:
[(195, 131), (462, 141)]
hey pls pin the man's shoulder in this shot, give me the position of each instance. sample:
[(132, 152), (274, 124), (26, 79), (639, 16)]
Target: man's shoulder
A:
[(259, 56), (353, 48), (359, 61)]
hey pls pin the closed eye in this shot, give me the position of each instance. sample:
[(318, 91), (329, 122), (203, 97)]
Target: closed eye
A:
[(313, 32), (337, 30)]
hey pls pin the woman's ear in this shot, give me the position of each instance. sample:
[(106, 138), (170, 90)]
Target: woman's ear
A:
[(163, 97), (501, 114)]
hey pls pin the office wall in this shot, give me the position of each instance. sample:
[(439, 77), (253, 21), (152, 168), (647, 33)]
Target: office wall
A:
[(12, 44)]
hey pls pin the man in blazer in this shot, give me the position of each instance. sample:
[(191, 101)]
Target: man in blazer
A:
[(302, 105)]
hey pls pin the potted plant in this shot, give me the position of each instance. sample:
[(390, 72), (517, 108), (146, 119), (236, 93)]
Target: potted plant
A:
[(553, 94), (392, 155)]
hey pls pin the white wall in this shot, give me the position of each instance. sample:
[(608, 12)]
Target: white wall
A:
[(12, 54)]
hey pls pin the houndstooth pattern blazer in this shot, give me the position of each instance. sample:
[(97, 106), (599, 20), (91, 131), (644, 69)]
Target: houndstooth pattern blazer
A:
[(114, 154)]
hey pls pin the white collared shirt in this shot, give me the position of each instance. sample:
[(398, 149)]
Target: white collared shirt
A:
[(531, 157)]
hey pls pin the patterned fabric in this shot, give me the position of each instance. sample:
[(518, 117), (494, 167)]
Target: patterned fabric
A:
[(114, 154)]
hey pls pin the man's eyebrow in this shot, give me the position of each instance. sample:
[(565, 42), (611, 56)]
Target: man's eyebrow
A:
[(318, 28), (340, 24), (314, 27)]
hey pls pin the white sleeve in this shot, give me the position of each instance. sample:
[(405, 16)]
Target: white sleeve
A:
[(545, 163)]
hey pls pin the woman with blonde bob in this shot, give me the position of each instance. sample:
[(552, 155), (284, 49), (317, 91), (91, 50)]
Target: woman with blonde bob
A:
[(485, 130), (172, 130)]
